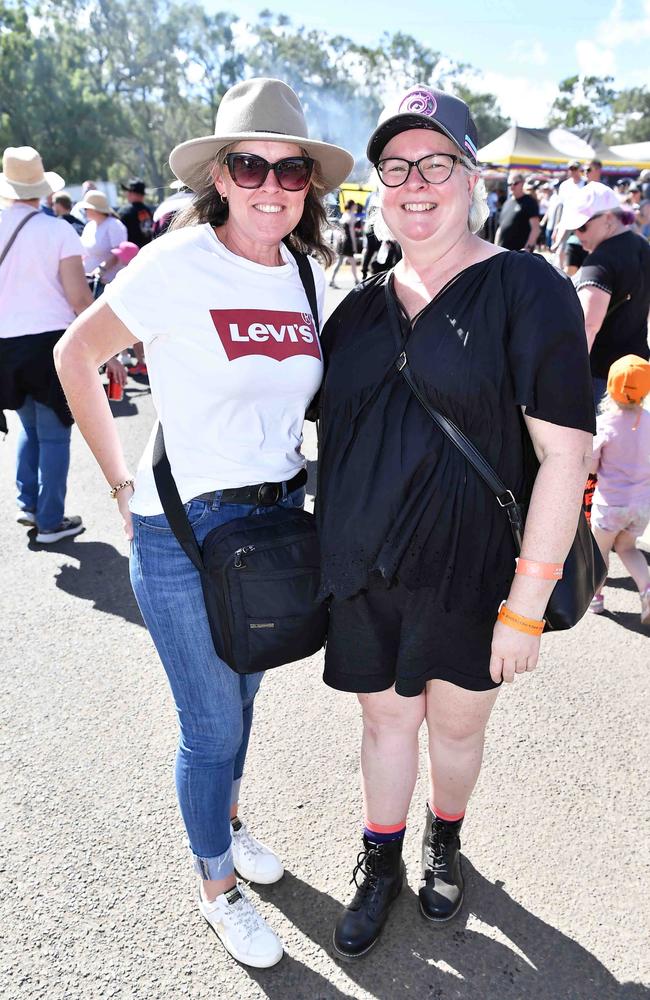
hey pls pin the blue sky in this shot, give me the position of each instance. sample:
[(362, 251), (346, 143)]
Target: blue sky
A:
[(520, 50)]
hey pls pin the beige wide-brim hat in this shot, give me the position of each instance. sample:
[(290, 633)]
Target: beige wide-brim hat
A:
[(23, 175), (263, 110), (97, 201)]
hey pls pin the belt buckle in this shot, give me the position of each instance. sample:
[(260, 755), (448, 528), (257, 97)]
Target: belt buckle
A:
[(269, 494)]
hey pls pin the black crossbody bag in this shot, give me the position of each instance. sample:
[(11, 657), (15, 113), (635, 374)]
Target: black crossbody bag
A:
[(259, 575), (584, 568)]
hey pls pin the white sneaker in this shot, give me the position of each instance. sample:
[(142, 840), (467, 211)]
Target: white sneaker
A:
[(254, 861), (242, 931), (26, 517), (69, 526)]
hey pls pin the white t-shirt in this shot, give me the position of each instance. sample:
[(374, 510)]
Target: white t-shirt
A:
[(233, 358), (98, 240), (32, 299)]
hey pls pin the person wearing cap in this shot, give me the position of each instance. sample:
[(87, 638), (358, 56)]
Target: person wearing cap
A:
[(102, 232), (138, 217), (519, 221), (621, 504), (613, 283), (234, 360), (417, 556), (42, 289)]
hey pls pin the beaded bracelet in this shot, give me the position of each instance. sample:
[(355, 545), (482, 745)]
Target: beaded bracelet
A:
[(530, 626), (540, 570), (120, 486)]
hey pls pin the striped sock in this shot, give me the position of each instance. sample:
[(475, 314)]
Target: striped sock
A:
[(447, 817), (381, 834)]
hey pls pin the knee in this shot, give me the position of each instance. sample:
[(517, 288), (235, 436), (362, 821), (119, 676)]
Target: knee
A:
[(392, 717), (458, 732), (210, 742)]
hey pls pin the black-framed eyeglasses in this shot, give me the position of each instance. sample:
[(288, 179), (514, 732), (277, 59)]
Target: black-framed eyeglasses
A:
[(435, 168), (248, 170)]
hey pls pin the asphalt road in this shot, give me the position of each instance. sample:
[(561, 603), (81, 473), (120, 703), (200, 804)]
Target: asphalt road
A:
[(97, 899)]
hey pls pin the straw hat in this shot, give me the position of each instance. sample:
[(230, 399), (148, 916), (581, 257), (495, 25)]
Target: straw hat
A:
[(23, 175), (97, 201), (263, 110)]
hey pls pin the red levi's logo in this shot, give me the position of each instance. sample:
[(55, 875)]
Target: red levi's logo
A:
[(268, 333)]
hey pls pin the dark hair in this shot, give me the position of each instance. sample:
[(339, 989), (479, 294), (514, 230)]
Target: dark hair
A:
[(63, 199), (307, 237), (350, 204)]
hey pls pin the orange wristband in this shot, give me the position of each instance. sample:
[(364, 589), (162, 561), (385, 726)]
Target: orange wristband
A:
[(531, 626), (543, 571)]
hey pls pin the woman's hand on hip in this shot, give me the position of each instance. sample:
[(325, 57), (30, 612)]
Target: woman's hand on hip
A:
[(123, 498), (513, 652)]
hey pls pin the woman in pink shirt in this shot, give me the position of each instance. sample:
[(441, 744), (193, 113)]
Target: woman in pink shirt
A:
[(621, 507)]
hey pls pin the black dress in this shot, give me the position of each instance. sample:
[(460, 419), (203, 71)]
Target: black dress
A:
[(401, 515)]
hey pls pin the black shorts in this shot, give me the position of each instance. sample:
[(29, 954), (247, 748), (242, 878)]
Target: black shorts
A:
[(390, 635)]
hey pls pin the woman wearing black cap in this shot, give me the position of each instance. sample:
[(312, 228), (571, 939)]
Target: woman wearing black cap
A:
[(417, 555)]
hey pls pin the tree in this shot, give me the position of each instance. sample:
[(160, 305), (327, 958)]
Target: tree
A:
[(486, 113), (584, 104), (631, 116)]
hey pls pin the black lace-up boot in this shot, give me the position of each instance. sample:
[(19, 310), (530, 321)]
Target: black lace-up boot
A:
[(442, 887), (383, 876)]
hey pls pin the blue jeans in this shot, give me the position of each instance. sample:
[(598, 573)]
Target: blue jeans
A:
[(214, 705), (42, 463)]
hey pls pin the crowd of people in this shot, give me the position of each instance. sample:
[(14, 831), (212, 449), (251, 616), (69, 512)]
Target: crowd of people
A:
[(430, 610)]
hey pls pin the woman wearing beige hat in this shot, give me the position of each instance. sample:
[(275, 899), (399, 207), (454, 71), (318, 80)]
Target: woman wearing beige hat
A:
[(234, 359), (42, 288), (102, 232)]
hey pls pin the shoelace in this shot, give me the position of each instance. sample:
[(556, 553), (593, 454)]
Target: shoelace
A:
[(370, 876), (436, 858), (247, 842), (245, 917)]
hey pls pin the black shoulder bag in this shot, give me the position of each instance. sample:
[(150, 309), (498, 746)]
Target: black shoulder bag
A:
[(259, 575), (584, 568)]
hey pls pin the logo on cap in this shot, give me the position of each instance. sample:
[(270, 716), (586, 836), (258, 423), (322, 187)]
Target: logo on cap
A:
[(419, 102)]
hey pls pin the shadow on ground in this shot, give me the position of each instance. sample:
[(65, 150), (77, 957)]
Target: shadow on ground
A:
[(101, 576), (529, 959)]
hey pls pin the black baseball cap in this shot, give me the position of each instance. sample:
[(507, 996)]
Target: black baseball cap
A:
[(135, 185), (423, 107)]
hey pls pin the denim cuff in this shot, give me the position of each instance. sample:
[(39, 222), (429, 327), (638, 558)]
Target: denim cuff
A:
[(214, 868)]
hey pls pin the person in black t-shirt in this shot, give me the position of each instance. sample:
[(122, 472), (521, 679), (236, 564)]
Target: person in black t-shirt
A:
[(519, 220), (427, 612), (138, 217), (614, 282)]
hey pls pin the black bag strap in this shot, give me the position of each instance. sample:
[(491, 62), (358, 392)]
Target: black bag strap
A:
[(162, 473), (23, 222), (505, 497)]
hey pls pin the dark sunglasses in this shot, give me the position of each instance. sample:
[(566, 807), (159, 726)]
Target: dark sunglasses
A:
[(249, 171), (583, 228)]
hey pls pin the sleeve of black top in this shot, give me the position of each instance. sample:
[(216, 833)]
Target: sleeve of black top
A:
[(532, 207), (597, 271), (547, 345)]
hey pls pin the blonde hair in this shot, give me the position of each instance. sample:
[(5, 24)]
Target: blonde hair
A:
[(478, 209)]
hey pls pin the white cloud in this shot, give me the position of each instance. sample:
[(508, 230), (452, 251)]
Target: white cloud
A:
[(594, 59), (617, 30), (525, 101), (599, 55), (529, 53)]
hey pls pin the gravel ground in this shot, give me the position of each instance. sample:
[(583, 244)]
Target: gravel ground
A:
[(97, 897)]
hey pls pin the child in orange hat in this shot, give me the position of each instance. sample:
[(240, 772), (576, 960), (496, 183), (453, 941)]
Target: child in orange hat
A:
[(621, 505)]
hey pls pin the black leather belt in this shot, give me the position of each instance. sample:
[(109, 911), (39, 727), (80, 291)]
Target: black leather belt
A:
[(264, 494)]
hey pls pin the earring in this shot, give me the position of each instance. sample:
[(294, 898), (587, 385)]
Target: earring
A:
[(224, 198)]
